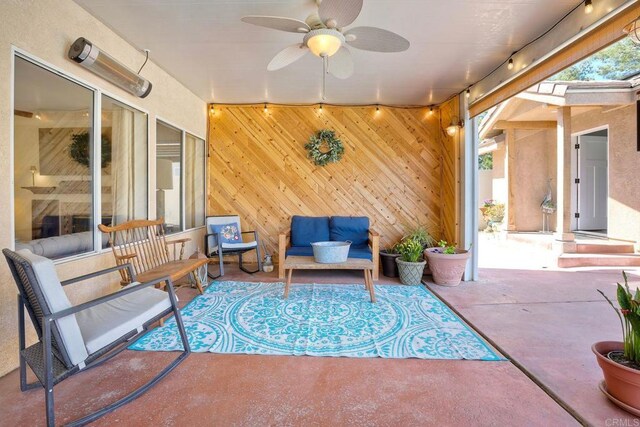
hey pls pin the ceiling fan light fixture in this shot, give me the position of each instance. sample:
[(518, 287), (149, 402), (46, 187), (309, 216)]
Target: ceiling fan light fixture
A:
[(324, 42)]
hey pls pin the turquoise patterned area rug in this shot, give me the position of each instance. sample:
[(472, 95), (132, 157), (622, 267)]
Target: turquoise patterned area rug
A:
[(320, 320)]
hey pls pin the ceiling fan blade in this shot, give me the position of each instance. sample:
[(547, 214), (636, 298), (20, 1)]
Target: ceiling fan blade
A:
[(341, 63), (287, 56), (376, 40), (339, 13), (278, 23)]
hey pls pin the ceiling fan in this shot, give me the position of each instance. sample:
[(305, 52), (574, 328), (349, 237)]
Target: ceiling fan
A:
[(326, 37)]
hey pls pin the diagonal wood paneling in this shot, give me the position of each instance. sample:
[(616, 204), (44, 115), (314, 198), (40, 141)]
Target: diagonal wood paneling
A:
[(450, 195), (391, 170)]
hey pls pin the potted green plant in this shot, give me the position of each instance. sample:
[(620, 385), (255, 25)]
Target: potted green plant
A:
[(620, 361), (420, 234), (388, 258), (411, 262), (447, 263)]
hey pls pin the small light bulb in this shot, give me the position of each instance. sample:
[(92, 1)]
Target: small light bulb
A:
[(588, 6), (320, 107), (431, 110), (468, 94), (377, 108), (212, 109), (265, 108), (510, 64)]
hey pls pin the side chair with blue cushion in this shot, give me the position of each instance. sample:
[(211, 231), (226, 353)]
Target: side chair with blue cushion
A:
[(225, 237), (72, 339)]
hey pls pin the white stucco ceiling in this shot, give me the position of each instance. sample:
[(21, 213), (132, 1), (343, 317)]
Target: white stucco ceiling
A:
[(221, 59)]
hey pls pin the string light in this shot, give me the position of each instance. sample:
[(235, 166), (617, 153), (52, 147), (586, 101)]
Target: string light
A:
[(377, 108), (320, 107), (468, 93), (212, 109), (430, 109), (265, 108), (510, 64), (588, 6)]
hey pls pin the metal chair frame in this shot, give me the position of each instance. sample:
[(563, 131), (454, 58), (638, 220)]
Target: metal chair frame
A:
[(50, 369), (222, 252)]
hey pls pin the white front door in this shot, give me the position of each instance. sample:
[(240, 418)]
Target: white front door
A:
[(593, 182)]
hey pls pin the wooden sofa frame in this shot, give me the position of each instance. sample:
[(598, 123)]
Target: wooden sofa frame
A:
[(143, 244), (284, 239)]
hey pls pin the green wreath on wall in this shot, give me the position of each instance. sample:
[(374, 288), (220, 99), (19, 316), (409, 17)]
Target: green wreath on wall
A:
[(324, 148), (79, 149)]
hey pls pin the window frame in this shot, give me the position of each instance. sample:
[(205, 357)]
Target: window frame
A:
[(183, 140), (96, 129)]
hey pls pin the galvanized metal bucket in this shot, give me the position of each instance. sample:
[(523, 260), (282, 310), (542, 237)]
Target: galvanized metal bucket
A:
[(331, 252)]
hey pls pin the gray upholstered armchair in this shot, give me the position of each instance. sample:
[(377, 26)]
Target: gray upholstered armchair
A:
[(73, 339)]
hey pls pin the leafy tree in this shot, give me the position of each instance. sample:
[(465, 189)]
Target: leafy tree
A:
[(615, 62), (485, 161)]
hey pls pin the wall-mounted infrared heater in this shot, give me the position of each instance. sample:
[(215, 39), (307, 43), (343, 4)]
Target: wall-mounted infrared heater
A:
[(98, 62)]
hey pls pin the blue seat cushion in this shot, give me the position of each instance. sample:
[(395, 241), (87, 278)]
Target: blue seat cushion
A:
[(353, 228), (361, 251), (300, 251), (308, 229)]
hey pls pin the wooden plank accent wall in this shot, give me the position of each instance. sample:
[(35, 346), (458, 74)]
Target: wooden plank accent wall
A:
[(450, 192), (391, 170)]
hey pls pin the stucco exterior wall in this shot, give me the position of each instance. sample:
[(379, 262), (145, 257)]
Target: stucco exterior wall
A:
[(624, 159), (45, 29), (499, 187), (533, 149)]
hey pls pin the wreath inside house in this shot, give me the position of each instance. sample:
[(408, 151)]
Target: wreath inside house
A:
[(324, 148), (79, 149)]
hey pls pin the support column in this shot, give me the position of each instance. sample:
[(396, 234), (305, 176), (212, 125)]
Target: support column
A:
[(564, 236), (510, 174)]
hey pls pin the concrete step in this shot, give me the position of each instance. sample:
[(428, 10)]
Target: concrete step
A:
[(598, 260), (605, 248)]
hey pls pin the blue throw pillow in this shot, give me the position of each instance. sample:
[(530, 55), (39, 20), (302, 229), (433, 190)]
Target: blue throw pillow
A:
[(308, 229), (229, 232), (353, 228)]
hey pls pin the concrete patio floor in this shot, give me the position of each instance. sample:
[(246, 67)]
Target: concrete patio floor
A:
[(528, 314), (546, 321)]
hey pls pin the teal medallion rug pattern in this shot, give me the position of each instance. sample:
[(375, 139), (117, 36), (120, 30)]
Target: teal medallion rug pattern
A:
[(320, 320)]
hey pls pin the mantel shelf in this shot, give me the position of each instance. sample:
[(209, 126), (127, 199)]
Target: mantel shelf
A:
[(40, 190)]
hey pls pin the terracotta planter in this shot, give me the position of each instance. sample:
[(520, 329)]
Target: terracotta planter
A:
[(389, 265), (410, 272), (623, 384), (447, 269)]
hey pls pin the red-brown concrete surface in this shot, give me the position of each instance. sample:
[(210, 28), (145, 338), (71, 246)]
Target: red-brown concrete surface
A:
[(547, 321), (212, 389)]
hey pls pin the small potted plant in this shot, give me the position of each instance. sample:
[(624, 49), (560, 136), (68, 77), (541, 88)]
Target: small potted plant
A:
[(420, 234), (410, 263), (620, 361), (447, 263), (388, 258)]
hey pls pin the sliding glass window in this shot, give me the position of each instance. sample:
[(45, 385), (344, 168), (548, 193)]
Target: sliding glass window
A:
[(168, 176), (53, 163), (124, 162), (180, 178), (73, 169)]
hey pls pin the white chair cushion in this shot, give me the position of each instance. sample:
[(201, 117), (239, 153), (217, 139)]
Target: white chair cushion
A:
[(57, 300), (105, 323), (235, 246)]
